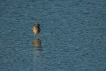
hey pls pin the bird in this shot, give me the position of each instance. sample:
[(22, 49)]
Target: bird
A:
[(36, 30)]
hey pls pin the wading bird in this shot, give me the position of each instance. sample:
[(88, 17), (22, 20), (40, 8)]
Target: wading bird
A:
[(36, 30)]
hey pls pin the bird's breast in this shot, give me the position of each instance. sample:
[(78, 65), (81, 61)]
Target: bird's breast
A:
[(35, 30)]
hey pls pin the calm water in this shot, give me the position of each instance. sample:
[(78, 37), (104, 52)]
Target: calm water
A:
[(72, 37)]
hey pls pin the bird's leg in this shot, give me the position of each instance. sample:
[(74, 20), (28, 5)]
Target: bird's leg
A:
[(38, 36), (34, 36)]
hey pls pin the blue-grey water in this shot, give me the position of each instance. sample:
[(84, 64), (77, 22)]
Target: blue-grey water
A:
[(72, 37)]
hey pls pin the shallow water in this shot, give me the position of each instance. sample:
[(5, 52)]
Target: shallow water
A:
[(72, 37)]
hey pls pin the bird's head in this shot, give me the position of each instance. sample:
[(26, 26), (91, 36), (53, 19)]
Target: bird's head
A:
[(37, 25)]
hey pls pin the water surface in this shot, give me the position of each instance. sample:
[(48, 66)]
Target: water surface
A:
[(72, 37)]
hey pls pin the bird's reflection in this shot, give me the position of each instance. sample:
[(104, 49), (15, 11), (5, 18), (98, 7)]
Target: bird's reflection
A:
[(37, 50), (37, 46)]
